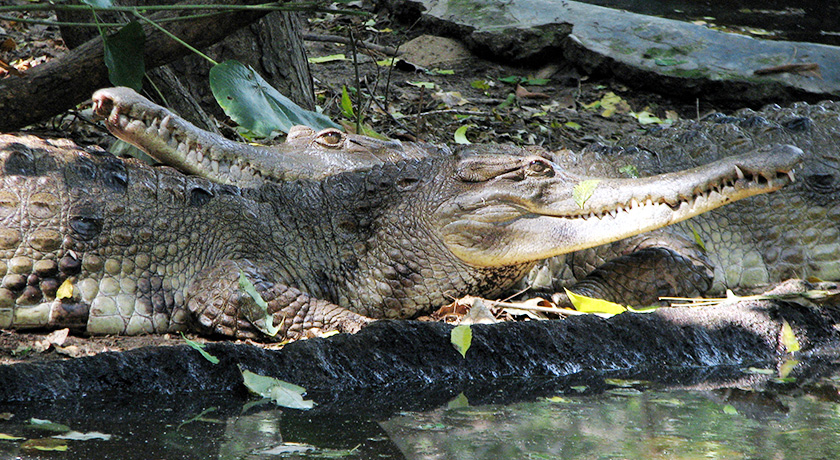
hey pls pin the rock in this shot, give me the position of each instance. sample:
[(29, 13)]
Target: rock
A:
[(642, 51)]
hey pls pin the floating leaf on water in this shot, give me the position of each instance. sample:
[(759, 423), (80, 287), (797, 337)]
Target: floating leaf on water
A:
[(624, 382), (461, 338), (789, 338), (458, 402), (200, 348), (45, 444), (47, 425), (288, 449), (592, 305), (572, 125), (386, 62), (730, 410), (8, 437), (584, 190), (442, 72), (558, 399), (65, 291), (461, 135), (330, 58), (580, 388), (77, 436), (283, 393)]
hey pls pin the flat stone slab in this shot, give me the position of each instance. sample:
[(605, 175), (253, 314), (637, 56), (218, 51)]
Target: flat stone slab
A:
[(642, 51)]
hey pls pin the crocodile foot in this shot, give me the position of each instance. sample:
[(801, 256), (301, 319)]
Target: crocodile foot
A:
[(260, 309)]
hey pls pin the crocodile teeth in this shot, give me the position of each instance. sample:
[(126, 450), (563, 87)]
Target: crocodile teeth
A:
[(791, 176), (740, 173)]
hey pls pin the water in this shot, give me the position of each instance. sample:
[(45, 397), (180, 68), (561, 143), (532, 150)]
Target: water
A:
[(816, 21), (755, 415)]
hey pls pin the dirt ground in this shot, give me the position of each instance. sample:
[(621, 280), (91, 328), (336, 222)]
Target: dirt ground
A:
[(439, 88)]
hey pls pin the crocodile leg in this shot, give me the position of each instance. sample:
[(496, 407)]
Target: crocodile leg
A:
[(641, 277), (221, 306), (634, 271)]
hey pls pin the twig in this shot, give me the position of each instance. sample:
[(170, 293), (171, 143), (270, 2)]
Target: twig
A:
[(452, 111), (558, 311), (312, 37)]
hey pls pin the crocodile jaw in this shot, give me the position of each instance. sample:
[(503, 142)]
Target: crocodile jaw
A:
[(507, 230)]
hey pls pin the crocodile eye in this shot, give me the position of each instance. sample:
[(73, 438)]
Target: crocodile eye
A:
[(330, 138), (540, 167)]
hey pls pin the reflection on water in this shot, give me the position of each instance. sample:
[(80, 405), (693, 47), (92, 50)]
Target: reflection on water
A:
[(616, 419)]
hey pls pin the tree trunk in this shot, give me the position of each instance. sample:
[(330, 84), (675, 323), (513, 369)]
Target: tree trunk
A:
[(60, 84)]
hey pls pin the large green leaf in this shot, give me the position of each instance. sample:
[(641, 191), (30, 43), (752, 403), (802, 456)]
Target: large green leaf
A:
[(124, 56), (255, 105)]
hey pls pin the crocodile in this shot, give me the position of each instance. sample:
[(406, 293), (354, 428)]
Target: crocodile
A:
[(111, 246), (747, 246)]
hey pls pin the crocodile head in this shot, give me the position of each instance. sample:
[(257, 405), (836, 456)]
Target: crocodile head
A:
[(176, 142), (506, 209)]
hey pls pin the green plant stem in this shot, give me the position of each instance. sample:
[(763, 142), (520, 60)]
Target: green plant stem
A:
[(172, 36), (272, 6), (47, 22)]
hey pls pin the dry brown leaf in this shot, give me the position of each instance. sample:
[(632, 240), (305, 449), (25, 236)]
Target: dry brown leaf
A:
[(523, 93)]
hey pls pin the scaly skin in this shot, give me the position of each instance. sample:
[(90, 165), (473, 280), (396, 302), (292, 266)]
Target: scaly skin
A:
[(794, 233), (178, 143), (151, 250)]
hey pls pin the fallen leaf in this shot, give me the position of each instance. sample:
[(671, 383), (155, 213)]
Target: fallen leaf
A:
[(45, 444), (583, 191), (789, 339), (461, 338), (58, 337), (65, 291), (77, 436), (593, 305), (200, 348), (422, 84), (47, 425), (461, 135), (330, 58), (257, 313), (522, 93)]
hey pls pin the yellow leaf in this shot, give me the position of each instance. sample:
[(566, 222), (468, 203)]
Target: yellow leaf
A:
[(65, 291), (461, 135), (45, 444), (786, 367), (583, 191), (461, 338), (591, 305), (789, 338)]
